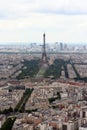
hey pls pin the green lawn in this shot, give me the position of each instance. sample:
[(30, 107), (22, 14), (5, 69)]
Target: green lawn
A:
[(41, 73)]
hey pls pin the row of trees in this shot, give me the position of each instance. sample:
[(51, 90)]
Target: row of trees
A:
[(78, 77), (31, 68), (7, 111), (56, 68), (8, 124), (19, 108), (76, 72), (21, 105), (58, 97)]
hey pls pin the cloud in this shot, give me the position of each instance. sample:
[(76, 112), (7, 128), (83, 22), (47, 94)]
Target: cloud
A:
[(26, 20), (57, 28), (16, 9), (63, 7), (23, 8)]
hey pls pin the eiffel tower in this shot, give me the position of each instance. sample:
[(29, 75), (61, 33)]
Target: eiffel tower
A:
[(44, 59)]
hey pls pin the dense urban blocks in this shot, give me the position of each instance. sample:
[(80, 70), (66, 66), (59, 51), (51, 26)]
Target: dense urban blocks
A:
[(55, 99)]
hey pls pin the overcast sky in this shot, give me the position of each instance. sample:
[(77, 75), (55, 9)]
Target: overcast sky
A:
[(26, 20)]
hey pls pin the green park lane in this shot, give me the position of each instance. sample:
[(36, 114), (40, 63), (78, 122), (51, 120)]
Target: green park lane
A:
[(21, 105), (30, 69), (8, 124), (41, 72), (11, 115), (75, 70)]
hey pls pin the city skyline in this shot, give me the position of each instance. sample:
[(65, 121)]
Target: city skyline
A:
[(27, 20)]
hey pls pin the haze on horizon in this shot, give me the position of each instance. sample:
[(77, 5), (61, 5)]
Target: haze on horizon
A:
[(26, 20)]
